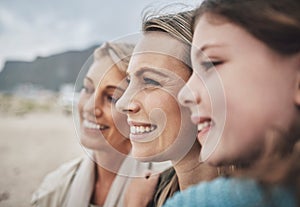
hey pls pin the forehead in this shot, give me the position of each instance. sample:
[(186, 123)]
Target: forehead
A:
[(104, 70), (160, 43), (217, 31), (158, 50)]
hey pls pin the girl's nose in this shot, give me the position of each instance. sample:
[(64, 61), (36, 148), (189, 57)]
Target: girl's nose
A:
[(189, 95)]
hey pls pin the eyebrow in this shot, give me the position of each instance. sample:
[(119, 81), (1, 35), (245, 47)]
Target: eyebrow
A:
[(89, 79), (107, 87), (208, 46), (146, 69), (115, 88)]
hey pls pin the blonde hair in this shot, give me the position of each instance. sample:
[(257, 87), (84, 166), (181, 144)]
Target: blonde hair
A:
[(120, 53)]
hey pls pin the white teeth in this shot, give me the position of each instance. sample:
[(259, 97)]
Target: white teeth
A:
[(132, 130), (203, 125), (147, 129), (102, 127), (141, 129), (92, 125)]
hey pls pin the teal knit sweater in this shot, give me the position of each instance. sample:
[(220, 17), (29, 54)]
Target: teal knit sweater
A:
[(232, 192)]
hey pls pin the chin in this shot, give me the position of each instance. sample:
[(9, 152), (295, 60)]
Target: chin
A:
[(149, 157), (85, 143), (89, 144), (211, 159)]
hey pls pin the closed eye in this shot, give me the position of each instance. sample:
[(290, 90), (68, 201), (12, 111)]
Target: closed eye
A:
[(210, 64)]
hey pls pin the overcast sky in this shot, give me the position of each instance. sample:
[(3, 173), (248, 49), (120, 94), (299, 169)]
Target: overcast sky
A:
[(30, 28)]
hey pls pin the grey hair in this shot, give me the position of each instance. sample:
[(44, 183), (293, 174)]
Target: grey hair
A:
[(178, 25)]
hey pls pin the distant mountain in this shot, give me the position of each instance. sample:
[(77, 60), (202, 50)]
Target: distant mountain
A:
[(46, 72)]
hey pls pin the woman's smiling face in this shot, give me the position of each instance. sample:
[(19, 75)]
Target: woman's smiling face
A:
[(155, 76), (98, 117), (260, 89)]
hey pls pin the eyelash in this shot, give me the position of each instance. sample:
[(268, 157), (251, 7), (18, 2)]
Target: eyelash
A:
[(127, 79), (150, 81), (87, 90), (147, 81), (111, 99), (209, 64)]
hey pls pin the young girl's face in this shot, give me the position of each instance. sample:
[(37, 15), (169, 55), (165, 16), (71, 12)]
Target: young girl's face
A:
[(261, 90)]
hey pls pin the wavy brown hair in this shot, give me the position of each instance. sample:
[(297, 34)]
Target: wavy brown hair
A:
[(276, 23)]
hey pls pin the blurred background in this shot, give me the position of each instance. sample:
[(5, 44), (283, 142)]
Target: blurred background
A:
[(43, 45)]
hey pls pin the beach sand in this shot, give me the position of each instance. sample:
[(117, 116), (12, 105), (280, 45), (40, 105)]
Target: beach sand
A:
[(31, 146)]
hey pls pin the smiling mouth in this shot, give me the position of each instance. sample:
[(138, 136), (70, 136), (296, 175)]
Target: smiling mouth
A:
[(91, 125), (205, 125), (142, 129)]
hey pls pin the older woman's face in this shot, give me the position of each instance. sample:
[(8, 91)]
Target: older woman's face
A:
[(98, 117), (156, 120)]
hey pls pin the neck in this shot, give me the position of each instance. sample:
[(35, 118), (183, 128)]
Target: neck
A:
[(190, 171), (103, 178)]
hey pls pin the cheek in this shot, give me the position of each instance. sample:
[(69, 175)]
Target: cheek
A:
[(163, 109), (154, 99), (160, 99), (253, 106), (160, 102), (119, 120), (248, 120), (81, 103)]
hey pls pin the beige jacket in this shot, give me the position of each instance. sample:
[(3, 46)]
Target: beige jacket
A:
[(55, 186), (71, 185)]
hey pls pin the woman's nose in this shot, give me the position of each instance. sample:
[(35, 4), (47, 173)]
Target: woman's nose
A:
[(92, 107), (98, 111), (127, 103)]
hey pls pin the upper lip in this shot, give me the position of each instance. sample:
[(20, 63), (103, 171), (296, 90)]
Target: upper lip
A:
[(93, 121), (199, 119), (136, 123)]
